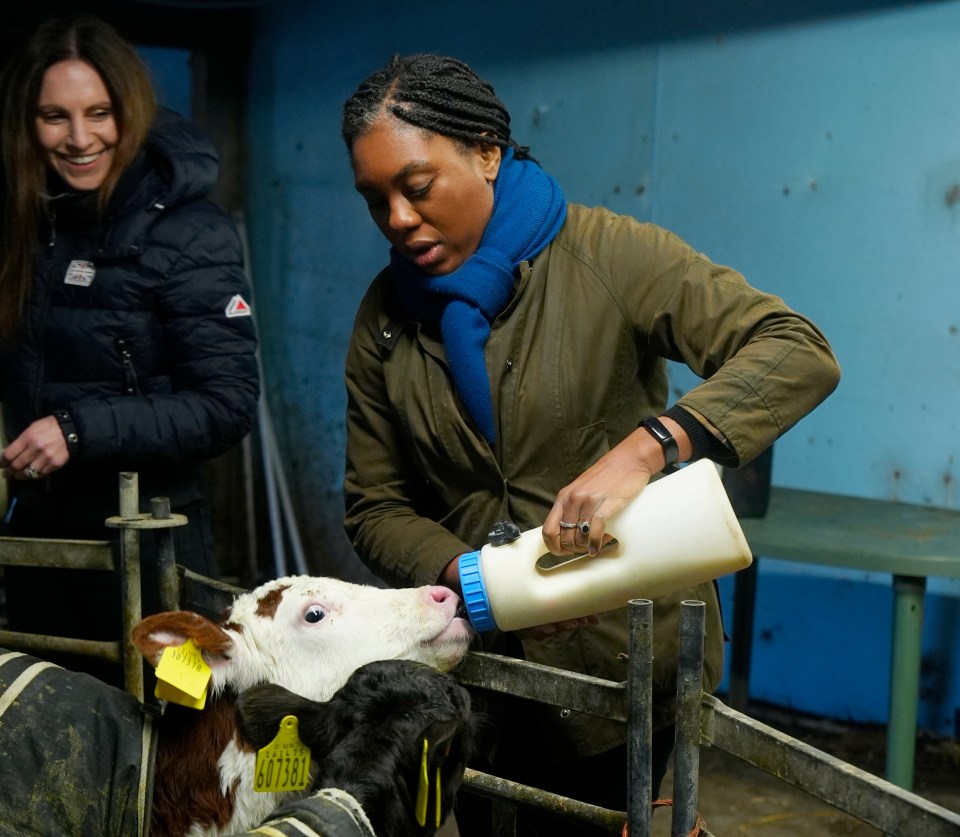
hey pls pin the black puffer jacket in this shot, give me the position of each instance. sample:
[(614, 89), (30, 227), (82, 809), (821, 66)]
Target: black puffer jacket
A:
[(147, 365)]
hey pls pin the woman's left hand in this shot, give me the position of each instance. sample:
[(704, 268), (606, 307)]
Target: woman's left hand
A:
[(37, 452)]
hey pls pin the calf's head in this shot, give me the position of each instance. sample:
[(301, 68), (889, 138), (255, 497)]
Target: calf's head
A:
[(398, 733), (309, 634)]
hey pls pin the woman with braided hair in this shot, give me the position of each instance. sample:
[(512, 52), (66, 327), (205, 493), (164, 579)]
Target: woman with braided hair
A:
[(510, 362)]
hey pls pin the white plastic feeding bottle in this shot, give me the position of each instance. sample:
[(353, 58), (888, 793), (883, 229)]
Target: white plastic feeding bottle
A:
[(678, 532)]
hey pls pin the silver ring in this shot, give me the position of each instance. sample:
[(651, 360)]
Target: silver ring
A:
[(584, 528), (564, 525), (31, 472)]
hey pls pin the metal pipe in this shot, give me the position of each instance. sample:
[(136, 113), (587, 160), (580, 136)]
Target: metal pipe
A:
[(279, 501), (686, 759), (640, 722), (872, 800), (273, 506), (41, 644), (166, 556), (286, 502), (905, 657), (513, 794), (130, 588)]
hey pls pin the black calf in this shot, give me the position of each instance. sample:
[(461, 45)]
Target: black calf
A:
[(368, 740)]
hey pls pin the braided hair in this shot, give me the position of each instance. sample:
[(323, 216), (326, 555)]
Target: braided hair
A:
[(433, 92)]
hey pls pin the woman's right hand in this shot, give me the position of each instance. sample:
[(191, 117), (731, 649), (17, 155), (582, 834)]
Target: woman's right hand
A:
[(37, 452), (577, 522)]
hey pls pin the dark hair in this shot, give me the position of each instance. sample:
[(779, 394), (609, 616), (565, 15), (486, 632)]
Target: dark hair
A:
[(432, 92), (23, 176)]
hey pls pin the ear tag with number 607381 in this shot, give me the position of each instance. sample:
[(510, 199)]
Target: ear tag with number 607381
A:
[(284, 764), (183, 675)]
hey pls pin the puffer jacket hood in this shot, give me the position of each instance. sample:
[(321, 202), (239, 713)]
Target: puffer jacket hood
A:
[(178, 163)]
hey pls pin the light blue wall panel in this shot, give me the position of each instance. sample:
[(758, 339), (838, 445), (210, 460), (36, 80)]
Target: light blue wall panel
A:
[(823, 161), (812, 145)]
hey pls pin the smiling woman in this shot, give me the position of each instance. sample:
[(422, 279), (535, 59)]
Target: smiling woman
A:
[(125, 340), (76, 127)]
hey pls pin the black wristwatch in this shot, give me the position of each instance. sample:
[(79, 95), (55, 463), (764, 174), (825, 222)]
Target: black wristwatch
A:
[(671, 451)]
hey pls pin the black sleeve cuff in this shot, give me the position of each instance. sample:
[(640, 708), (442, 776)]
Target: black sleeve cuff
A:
[(69, 430), (705, 444)]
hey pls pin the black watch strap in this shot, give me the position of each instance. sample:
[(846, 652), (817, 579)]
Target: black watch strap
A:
[(671, 451)]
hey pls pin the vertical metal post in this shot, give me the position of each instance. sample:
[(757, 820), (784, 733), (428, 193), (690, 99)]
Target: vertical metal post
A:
[(166, 556), (504, 818), (130, 587), (905, 678), (686, 758), (640, 719)]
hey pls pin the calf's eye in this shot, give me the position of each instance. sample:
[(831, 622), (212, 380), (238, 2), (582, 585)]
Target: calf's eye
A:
[(314, 613)]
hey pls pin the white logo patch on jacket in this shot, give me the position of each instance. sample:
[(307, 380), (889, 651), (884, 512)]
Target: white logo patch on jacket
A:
[(238, 307), (80, 273)]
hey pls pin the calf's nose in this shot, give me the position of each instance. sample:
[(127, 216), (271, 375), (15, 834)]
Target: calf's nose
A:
[(443, 595)]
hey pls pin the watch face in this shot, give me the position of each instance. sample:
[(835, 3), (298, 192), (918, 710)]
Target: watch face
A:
[(671, 450), (658, 430)]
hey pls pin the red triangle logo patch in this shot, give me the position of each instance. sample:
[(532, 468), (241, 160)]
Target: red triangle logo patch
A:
[(238, 307)]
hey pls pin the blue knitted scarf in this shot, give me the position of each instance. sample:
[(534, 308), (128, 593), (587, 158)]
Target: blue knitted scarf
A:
[(528, 211)]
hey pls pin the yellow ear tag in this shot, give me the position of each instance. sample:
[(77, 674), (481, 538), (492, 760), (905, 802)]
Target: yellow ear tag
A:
[(284, 764), (183, 675), (437, 815), (423, 788)]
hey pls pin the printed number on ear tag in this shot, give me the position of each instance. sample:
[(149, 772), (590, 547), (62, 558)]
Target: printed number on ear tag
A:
[(284, 764), (183, 675)]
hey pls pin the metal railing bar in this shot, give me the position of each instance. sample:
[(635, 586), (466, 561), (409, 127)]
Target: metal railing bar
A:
[(495, 787), (570, 690), (39, 643), (869, 798), (48, 552)]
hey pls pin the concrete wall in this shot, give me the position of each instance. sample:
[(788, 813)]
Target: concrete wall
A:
[(813, 146)]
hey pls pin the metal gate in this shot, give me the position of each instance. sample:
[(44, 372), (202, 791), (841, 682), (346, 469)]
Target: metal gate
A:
[(702, 720)]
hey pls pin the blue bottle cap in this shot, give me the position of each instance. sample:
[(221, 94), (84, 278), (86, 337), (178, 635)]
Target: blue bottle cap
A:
[(474, 593)]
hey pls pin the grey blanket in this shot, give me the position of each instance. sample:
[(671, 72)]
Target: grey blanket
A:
[(328, 813), (74, 753)]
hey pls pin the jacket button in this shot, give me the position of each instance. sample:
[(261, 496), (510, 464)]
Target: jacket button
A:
[(387, 334), (509, 365), (73, 438)]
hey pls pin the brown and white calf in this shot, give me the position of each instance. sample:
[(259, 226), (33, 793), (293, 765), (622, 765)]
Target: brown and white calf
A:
[(72, 748), (307, 634)]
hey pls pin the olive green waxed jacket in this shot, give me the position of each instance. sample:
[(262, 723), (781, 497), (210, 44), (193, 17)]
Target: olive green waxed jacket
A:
[(575, 361)]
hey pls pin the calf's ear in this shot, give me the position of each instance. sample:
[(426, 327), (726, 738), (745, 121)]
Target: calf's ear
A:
[(260, 709), (441, 737), (154, 633)]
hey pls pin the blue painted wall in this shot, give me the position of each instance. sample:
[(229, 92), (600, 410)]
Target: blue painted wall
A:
[(813, 146), (172, 76)]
